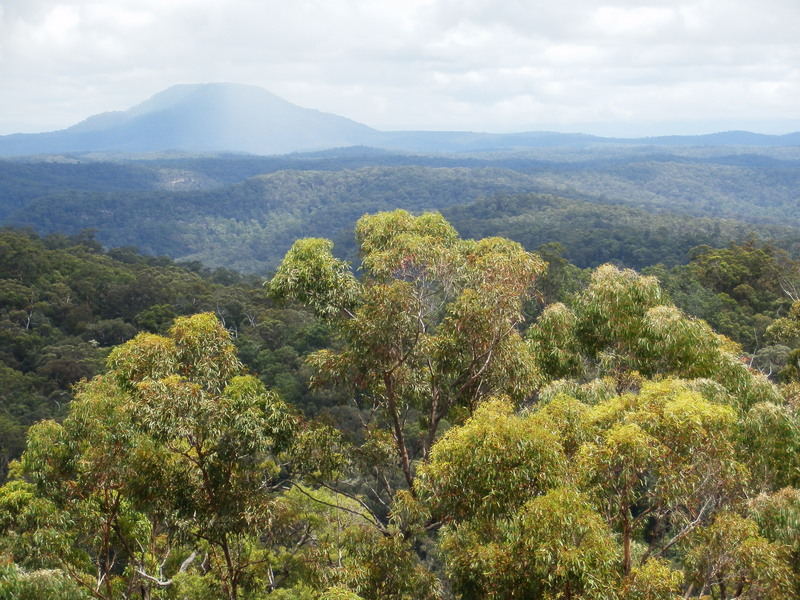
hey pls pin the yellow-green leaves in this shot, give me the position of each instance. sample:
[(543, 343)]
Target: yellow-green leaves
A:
[(399, 245), (778, 519), (621, 460), (204, 351), (174, 446), (311, 275), (196, 348), (654, 580), (554, 546), (491, 465), (147, 355), (339, 593), (554, 343), (567, 546), (665, 455), (770, 443), (320, 452), (729, 559), (621, 325), (433, 325), (676, 344)]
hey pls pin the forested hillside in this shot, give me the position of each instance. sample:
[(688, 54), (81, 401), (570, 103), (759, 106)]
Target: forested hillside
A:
[(593, 234), (64, 303), (459, 417), (630, 205)]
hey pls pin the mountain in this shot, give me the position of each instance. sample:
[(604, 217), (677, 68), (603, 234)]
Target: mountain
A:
[(226, 117), (214, 117)]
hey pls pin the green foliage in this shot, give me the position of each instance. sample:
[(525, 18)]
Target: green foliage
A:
[(622, 326), (770, 441), (64, 304), (778, 518), (664, 457), (320, 452), (382, 566), (620, 323), (247, 224), (787, 330), (739, 271), (312, 276), (657, 466), (339, 593), (461, 479), (177, 474), (567, 546), (634, 206), (743, 291), (729, 559), (593, 230), (654, 580), (568, 418), (432, 327), (175, 445), (44, 584), (554, 546)]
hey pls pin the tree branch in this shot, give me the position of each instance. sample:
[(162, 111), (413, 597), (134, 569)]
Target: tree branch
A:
[(154, 579), (368, 517)]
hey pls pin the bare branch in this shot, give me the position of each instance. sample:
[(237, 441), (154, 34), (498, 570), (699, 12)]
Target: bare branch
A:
[(155, 580), (681, 534), (189, 560), (369, 516)]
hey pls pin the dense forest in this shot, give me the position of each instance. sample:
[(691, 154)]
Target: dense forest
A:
[(631, 205), (479, 406)]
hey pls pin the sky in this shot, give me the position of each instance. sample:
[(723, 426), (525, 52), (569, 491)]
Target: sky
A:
[(608, 67)]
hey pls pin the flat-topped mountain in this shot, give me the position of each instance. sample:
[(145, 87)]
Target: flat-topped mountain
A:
[(226, 117)]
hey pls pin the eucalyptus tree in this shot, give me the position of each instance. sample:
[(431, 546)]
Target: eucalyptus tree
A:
[(431, 327), (729, 559), (574, 500), (221, 432), (778, 518), (555, 546), (787, 330), (515, 526), (663, 461), (622, 326), (164, 473)]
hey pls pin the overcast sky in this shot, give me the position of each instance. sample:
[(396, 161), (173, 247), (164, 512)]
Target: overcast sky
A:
[(625, 67)]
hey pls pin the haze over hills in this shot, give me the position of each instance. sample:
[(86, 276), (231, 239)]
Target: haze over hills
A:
[(226, 117), (219, 117)]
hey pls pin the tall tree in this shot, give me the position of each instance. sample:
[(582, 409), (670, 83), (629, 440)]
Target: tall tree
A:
[(175, 451), (432, 325)]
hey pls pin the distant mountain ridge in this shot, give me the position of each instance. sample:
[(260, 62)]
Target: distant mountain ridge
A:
[(217, 117), (228, 117)]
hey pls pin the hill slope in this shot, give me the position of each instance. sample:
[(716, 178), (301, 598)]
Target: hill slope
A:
[(215, 117)]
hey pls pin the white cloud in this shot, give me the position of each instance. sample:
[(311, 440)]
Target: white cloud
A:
[(635, 22)]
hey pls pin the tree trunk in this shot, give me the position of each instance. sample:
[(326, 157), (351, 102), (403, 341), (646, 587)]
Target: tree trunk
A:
[(626, 543), (231, 583), (399, 437)]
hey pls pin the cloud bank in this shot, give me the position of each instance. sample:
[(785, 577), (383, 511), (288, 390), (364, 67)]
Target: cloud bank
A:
[(618, 66)]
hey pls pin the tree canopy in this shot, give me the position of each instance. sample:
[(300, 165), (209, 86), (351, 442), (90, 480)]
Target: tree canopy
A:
[(458, 439), (432, 326)]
